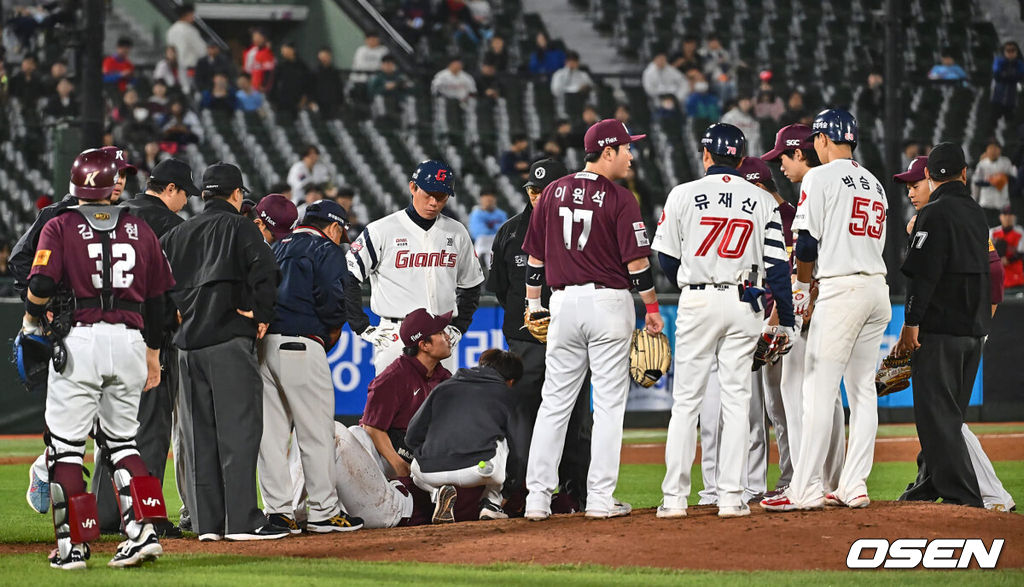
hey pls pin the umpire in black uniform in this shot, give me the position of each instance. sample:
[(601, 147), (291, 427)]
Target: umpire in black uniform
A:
[(167, 191), (226, 288), (948, 314), (507, 280)]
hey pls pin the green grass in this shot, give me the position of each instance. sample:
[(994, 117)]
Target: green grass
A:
[(254, 572)]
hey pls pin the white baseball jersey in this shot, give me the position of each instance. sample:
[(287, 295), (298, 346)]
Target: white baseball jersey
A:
[(720, 227), (411, 268), (843, 207)]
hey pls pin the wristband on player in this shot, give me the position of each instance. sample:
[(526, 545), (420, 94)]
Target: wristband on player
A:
[(653, 308), (642, 280), (34, 310), (534, 275)]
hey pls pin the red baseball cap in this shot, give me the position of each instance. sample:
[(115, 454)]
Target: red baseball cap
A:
[(915, 172), (278, 213), (121, 158), (794, 136), (755, 170), (420, 323), (607, 133)]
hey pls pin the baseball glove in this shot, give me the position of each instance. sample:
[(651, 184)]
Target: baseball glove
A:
[(649, 357), (893, 375), (998, 180), (537, 323), (31, 354)]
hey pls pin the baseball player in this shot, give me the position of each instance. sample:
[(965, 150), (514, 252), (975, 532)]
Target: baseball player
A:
[(275, 215), (588, 242), (993, 494), (717, 236), (766, 393), (417, 258), (297, 388), (794, 151), (112, 263), (841, 225)]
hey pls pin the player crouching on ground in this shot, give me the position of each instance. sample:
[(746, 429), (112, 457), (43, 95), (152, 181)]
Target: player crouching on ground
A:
[(459, 435), (112, 263)]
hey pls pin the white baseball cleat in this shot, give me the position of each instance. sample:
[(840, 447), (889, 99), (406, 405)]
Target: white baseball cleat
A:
[(668, 513), (618, 509), (737, 511), (537, 515)]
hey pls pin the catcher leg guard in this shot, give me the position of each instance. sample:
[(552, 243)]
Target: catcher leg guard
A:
[(139, 495), (75, 519)]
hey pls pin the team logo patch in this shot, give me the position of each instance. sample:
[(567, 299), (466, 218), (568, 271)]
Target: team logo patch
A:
[(357, 246), (540, 172), (401, 242), (42, 257), (792, 142), (803, 196), (101, 216), (640, 225), (854, 162), (753, 176), (726, 178), (451, 241), (662, 218)]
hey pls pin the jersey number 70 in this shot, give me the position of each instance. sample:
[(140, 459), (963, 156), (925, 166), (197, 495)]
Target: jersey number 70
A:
[(867, 218), (732, 244)]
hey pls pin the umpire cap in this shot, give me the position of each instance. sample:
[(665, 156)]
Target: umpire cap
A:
[(434, 176), (93, 175), (724, 139), (544, 172), (837, 124)]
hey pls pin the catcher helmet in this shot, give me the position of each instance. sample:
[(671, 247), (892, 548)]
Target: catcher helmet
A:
[(724, 139), (121, 158), (93, 175), (838, 125)]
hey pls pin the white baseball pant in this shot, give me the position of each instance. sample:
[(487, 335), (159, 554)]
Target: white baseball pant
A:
[(490, 474), (589, 327), (713, 326), (992, 491), (297, 392), (755, 474), (849, 319), (771, 379)]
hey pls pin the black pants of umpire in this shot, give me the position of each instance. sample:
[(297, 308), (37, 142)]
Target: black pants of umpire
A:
[(572, 471), (943, 374), (153, 439), (225, 394)]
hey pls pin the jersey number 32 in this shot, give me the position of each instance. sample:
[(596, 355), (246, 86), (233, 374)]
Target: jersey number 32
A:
[(123, 258)]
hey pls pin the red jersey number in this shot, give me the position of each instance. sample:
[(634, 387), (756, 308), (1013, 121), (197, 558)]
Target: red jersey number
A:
[(731, 245), (867, 218)]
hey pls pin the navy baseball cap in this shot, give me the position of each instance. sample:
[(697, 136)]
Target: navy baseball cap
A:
[(434, 176), (544, 172), (328, 210)]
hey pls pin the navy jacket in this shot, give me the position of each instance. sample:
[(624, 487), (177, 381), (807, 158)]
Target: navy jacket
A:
[(311, 296)]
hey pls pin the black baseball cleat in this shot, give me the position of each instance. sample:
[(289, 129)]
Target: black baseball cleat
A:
[(444, 508), (268, 532), (284, 521), (339, 523), (167, 529), (132, 553), (75, 561), (491, 511)]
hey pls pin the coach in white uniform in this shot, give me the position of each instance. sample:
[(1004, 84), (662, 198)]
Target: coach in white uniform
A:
[(418, 258), (718, 235), (841, 225)]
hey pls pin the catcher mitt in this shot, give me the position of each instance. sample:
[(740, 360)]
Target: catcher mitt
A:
[(31, 354), (999, 180), (893, 375), (649, 357), (537, 323)]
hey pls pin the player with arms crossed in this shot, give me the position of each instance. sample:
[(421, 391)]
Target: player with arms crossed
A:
[(416, 258), (716, 236), (113, 264), (840, 223), (588, 242)]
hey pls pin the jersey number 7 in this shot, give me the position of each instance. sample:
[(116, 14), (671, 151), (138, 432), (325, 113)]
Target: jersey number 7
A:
[(732, 245), (862, 223)]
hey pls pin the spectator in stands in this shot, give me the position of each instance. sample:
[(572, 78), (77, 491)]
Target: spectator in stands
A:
[(27, 85), (416, 18), (665, 85), (1008, 239), (719, 67), (911, 150), (795, 112), (258, 61), (62, 104), (551, 149), (158, 101), (992, 181), (213, 62), (480, 11), (571, 79), (118, 68), (314, 193), (307, 172), (515, 162), (688, 57), (740, 115), (5, 83), (134, 125), (643, 193), (459, 22), (563, 134), (249, 100), (291, 81), (343, 196), (187, 40), (1007, 73), (484, 222), (151, 155), (546, 58), (182, 126), (702, 103), (58, 71), (388, 88), (367, 58), (872, 99), (767, 103), (6, 279), (487, 82), (496, 53), (588, 118), (168, 70), (453, 83), (327, 86), (220, 98), (947, 70)]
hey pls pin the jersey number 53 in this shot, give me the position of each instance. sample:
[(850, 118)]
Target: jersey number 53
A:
[(867, 218)]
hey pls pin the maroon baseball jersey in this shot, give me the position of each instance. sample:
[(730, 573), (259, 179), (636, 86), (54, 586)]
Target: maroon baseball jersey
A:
[(70, 251), (586, 228), (399, 390)]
